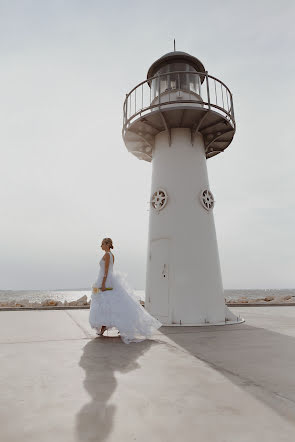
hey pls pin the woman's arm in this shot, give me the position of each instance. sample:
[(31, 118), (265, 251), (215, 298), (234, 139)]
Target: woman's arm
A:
[(106, 266)]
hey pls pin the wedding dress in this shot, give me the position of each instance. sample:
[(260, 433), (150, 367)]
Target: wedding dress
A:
[(119, 307)]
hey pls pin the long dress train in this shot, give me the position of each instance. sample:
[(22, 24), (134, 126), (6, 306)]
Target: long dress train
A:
[(120, 307)]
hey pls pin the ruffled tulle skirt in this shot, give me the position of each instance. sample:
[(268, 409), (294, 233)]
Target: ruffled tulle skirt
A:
[(120, 308)]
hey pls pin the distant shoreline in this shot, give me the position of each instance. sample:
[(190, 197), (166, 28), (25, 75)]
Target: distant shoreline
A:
[(87, 307), (60, 299)]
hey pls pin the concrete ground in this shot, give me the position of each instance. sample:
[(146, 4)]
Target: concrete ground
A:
[(61, 383)]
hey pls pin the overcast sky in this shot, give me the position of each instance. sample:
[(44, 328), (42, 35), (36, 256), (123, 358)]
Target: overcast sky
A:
[(67, 179)]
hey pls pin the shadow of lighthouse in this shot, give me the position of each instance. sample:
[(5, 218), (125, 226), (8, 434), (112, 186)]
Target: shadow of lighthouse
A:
[(101, 358)]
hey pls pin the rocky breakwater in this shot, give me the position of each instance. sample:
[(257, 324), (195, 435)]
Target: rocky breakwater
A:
[(46, 303), (269, 300)]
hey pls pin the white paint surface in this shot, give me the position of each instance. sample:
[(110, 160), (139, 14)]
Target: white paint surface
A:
[(182, 247)]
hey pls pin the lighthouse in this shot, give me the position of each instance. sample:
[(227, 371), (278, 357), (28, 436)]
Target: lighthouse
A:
[(177, 119)]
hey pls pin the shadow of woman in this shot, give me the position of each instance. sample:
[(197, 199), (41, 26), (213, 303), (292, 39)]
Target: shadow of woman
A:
[(101, 358)]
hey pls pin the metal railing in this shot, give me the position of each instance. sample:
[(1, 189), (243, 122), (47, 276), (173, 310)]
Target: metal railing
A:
[(191, 88)]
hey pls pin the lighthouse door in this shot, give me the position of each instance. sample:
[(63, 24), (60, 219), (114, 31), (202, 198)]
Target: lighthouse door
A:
[(159, 278)]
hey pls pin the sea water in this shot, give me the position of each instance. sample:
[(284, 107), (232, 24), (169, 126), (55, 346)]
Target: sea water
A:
[(74, 294)]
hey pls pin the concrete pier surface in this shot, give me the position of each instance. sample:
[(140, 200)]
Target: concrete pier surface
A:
[(233, 383)]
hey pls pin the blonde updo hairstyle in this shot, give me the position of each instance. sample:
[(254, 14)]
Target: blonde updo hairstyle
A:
[(109, 242)]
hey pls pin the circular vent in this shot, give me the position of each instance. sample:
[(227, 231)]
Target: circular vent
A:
[(159, 199), (207, 199)]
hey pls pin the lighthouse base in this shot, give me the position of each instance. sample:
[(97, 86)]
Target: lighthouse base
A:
[(229, 318), (238, 321)]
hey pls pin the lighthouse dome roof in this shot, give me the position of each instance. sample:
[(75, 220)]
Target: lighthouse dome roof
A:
[(174, 57)]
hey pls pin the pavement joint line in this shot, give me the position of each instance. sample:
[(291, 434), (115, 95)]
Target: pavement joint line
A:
[(92, 337), (245, 381), (45, 340), (77, 323), (206, 329), (284, 397)]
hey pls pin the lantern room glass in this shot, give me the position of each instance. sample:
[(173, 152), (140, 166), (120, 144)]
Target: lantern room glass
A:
[(170, 79)]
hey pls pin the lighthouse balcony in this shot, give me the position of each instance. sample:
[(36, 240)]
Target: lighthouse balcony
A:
[(180, 99)]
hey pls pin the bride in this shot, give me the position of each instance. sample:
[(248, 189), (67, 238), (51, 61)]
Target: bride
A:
[(114, 304)]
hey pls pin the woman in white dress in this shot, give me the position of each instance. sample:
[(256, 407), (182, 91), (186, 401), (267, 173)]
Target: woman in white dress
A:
[(114, 304)]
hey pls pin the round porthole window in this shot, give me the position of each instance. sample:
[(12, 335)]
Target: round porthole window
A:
[(207, 199), (159, 199)]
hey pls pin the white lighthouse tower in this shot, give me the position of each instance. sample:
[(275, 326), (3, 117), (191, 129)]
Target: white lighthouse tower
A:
[(176, 119)]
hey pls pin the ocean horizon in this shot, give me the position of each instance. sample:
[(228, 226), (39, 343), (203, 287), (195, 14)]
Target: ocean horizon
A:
[(74, 294)]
